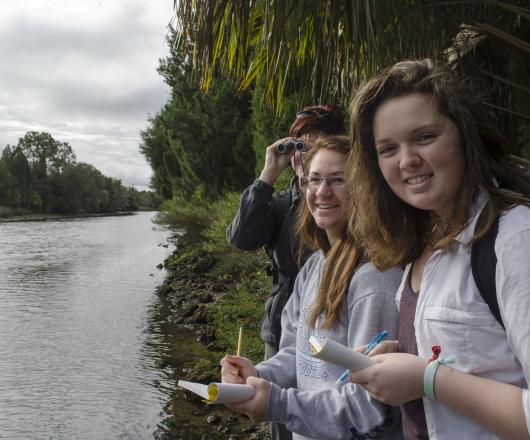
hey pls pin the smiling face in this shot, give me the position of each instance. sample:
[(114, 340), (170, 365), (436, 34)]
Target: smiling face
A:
[(419, 152), (328, 205)]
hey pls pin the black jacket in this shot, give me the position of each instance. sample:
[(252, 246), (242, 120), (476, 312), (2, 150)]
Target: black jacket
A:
[(270, 221)]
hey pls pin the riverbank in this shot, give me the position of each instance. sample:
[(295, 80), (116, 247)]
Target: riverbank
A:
[(212, 289), (46, 217)]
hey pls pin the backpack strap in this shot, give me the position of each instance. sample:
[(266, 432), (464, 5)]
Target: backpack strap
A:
[(484, 265), (283, 199)]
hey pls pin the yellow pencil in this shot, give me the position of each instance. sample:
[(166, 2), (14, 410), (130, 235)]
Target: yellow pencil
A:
[(239, 347)]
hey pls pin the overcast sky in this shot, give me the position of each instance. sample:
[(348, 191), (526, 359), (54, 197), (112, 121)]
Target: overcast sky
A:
[(85, 72)]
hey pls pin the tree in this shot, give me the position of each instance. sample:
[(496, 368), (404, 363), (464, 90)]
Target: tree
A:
[(46, 156), (45, 153), (7, 185), (198, 141), (210, 137), (52, 181), (155, 147), (323, 49), (116, 195), (18, 167)]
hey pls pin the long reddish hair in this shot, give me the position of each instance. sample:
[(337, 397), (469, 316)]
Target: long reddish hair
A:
[(341, 259)]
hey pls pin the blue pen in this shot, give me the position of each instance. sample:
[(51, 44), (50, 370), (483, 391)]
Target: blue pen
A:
[(369, 347)]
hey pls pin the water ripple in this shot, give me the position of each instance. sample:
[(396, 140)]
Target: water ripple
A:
[(76, 359)]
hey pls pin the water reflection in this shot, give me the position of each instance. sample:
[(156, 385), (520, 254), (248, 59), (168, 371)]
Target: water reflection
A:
[(78, 357)]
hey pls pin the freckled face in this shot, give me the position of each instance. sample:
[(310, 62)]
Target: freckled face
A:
[(328, 206), (419, 151)]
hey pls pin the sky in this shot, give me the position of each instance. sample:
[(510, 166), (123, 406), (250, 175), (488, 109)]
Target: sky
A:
[(85, 72)]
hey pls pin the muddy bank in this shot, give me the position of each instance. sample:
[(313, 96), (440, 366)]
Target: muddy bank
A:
[(190, 293)]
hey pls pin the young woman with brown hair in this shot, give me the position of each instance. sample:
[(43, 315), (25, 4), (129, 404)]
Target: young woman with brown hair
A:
[(336, 295), (426, 162)]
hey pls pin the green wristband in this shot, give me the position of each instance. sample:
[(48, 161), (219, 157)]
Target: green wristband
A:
[(430, 372)]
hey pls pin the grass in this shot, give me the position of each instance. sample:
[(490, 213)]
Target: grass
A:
[(239, 278)]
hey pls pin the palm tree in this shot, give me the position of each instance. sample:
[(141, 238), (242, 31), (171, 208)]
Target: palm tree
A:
[(321, 50)]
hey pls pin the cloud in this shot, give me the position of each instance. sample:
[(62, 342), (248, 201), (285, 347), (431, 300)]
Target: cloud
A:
[(86, 73)]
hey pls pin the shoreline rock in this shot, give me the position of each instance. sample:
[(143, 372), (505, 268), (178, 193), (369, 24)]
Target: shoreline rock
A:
[(190, 293)]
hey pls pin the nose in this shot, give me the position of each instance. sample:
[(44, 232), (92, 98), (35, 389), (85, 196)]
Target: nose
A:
[(409, 158), (324, 187)]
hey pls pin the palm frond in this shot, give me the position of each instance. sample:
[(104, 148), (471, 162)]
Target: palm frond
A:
[(321, 50)]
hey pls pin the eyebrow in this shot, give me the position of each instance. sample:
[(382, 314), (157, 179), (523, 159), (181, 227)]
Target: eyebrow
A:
[(423, 127), (336, 173)]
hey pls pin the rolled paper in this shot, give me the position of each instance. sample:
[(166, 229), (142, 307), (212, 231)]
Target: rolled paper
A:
[(331, 351), (216, 392)]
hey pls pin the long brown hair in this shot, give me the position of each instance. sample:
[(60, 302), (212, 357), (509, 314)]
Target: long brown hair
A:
[(341, 259), (393, 232)]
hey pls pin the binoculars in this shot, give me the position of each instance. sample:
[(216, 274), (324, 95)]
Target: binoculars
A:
[(293, 143)]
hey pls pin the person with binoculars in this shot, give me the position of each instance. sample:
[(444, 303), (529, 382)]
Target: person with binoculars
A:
[(269, 221)]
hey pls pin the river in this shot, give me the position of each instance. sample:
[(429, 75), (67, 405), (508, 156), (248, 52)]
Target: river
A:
[(80, 346)]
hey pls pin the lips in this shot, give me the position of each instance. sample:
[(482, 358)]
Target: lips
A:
[(418, 179), (325, 206)]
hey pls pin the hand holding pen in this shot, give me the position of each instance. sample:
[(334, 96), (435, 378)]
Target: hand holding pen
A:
[(369, 347), (380, 337)]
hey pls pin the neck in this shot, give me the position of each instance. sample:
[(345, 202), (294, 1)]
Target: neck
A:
[(332, 237)]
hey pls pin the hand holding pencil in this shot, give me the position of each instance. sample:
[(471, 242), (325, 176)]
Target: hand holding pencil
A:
[(236, 369)]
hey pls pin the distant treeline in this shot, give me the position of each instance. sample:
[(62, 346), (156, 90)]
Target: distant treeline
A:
[(41, 175)]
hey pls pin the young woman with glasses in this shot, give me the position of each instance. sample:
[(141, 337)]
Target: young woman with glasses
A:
[(427, 161), (267, 219), (337, 295)]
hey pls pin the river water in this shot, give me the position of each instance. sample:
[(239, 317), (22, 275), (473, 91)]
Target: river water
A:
[(79, 342)]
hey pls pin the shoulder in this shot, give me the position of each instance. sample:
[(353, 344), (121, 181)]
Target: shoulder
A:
[(308, 276), (313, 263), (367, 280), (513, 223)]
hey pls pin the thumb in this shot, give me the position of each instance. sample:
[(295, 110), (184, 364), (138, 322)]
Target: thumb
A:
[(262, 386), (254, 381), (360, 349)]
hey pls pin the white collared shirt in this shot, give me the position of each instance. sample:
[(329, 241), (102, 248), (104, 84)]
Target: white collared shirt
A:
[(451, 313)]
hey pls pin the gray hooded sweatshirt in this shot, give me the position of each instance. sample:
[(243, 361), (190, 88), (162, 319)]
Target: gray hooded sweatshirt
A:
[(303, 394)]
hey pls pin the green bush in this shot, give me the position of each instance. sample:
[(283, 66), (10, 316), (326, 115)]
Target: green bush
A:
[(185, 212)]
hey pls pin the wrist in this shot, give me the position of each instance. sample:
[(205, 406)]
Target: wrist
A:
[(431, 369), (268, 176)]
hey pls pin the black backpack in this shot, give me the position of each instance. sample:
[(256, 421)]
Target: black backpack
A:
[(484, 265)]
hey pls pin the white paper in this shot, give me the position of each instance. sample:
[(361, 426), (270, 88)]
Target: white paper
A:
[(225, 392), (197, 388), (345, 357)]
